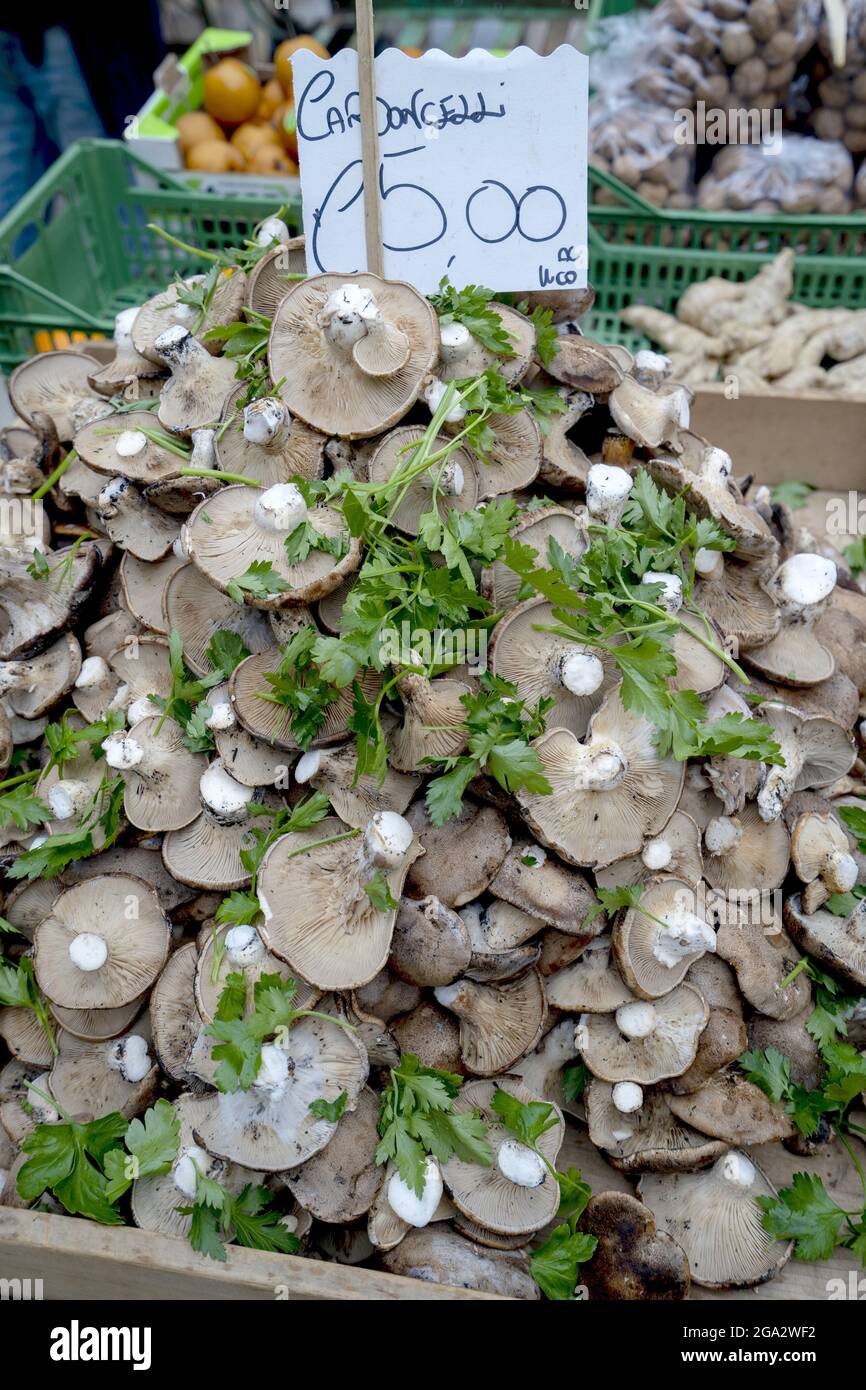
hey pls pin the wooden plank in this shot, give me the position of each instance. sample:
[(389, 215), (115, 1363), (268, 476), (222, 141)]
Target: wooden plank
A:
[(81, 1260), (366, 38)]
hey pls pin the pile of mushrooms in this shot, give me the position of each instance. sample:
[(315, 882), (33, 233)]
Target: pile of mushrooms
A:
[(481, 950)]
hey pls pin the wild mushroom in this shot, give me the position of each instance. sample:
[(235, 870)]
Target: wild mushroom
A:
[(133, 523), (452, 486), (385, 1228), (352, 355), (484, 840), (563, 463), (354, 799), (817, 751), (712, 493), (518, 1193), (533, 880), (195, 609), (431, 945), (98, 1025), (639, 1132), (174, 1018), (308, 549), (591, 985), (125, 450), (723, 1041), (607, 492), (541, 1070), (544, 665), (193, 396), (715, 1218), (819, 849), (239, 950), (633, 1260), (207, 853), (167, 310), (432, 1034), (142, 585), (836, 942), (656, 941), (731, 1108), (270, 721), (585, 365), (745, 852), (490, 962), (498, 1023), (103, 945), (795, 656), (272, 277), (650, 418), (90, 1080), (25, 1037), (32, 686), (261, 441), (610, 791), (330, 908), (675, 851), (57, 384), (161, 774), (22, 1108), (535, 529), (461, 355), (444, 1257), (512, 457), (340, 1183), (432, 724), (762, 955), (644, 1042), (127, 367), (732, 594), (33, 614), (270, 1126)]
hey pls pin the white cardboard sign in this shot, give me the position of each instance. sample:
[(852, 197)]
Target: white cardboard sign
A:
[(482, 172)]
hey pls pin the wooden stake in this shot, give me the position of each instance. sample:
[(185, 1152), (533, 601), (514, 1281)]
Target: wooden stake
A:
[(369, 135)]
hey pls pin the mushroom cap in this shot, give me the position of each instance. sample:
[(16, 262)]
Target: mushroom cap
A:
[(206, 854), (86, 1080), (697, 668), (432, 1034), (814, 838), (29, 903), (477, 358), (195, 609), (639, 943), (563, 463), (499, 1023), (175, 1020), (441, 1256), (794, 656), (209, 987), (499, 926), (194, 395), (56, 383), (168, 798), (301, 455), (759, 859), (648, 1140), (668, 1050), (142, 665), (717, 1222), (145, 861), (340, 1183), (542, 886), (432, 725), (593, 827), (762, 955), (25, 1037), (356, 799), (457, 879), (585, 365), (484, 1194), (98, 1025), (96, 444), (125, 912), (828, 751), (717, 982), (417, 497), (143, 584), (34, 614), (276, 1131), (520, 651), (162, 311), (632, 1260), (683, 841), (327, 387), (591, 985), (836, 942), (791, 1037), (735, 598), (711, 496), (45, 678), (132, 523), (250, 760), (514, 457), (318, 917), (270, 722), (223, 540), (430, 945), (731, 1108), (723, 1041), (269, 281), (499, 583)]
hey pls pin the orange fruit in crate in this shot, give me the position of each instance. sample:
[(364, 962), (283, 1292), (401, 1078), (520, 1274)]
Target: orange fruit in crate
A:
[(286, 127), (283, 58), (215, 157), (272, 96), (248, 138), (231, 92), (194, 127), (411, 52), (271, 159)]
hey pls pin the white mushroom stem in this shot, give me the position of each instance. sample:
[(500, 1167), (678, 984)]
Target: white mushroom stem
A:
[(448, 478), (780, 783), (840, 871), (387, 840), (651, 368), (95, 674), (203, 454), (432, 395), (130, 443), (520, 1164), (348, 315), (273, 1070), (607, 490), (599, 769), (69, 798), (280, 508), (142, 708), (737, 1170), (225, 798), (244, 947), (455, 343), (87, 951), (192, 1163), (671, 596), (267, 423), (273, 231), (118, 495), (131, 1058), (405, 1203), (581, 672), (803, 582), (716, 465), (722, 835), (627, 1097), (708, 562), (636, 1020), (684, 935), (122, 752), (222, 716), (656, 854), (123, 329), (177, 346), (307, 767)]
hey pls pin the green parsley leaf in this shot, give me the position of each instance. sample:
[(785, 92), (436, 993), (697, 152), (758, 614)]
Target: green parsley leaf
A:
[(805, 1213), (526, 1120), (574, 1081), (555, 1265), (379, 892), (225, 651), (417, 1118), (768, 1069), (792, 493), (472, 307), (330, 1110), (260, 580)]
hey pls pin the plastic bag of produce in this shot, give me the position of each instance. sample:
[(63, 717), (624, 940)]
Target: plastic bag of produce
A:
[(795, 175)]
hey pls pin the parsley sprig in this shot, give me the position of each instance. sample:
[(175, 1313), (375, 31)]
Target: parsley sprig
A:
[(104, 811), (417, 1118), (251, 1218), (19, 990), (471, 306)]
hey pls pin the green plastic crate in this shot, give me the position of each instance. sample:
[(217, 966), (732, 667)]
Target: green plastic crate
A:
[(76, 249)]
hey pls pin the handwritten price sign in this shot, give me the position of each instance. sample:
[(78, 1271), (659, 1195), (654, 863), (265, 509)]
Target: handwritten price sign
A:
[(482, 169)]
